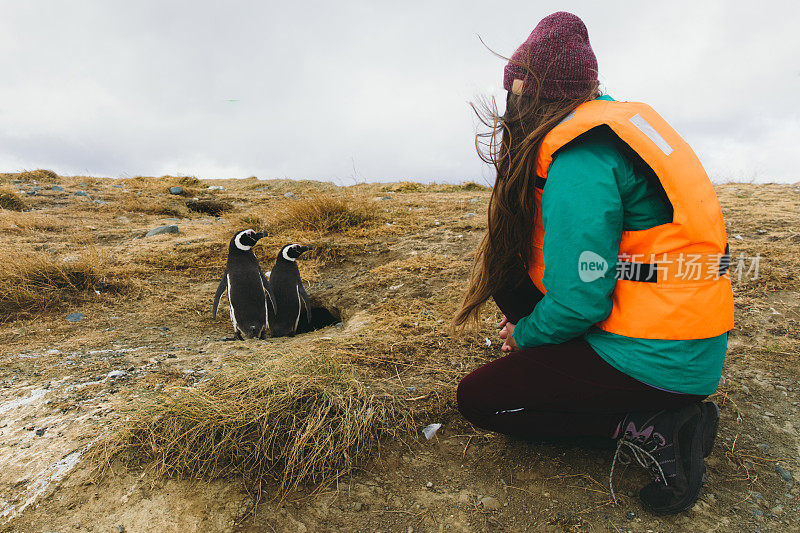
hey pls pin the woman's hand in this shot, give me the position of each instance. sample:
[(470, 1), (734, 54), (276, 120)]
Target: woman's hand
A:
[(507, 334)]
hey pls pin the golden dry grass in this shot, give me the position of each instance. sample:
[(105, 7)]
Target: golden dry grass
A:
[(294, 420), (35, 282), (154, 206), (324, 213), (10, 200), (39, 175)]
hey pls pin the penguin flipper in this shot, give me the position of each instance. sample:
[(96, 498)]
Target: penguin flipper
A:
[(223, 284), (304, 301), (270, 297)]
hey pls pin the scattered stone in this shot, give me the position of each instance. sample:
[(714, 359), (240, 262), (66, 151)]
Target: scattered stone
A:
[(290, 195), (357, 506), (53, 352), (216, 188), (786, 475), (40, 431), (163, 230), (469, 215), (121, 529), (429, 484), (490, 504), (57, 188), (75, 317), (630, 515), (176, 190), (114, 374), (763, 447), (81, 193)]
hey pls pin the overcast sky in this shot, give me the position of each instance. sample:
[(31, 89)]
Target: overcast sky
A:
[(368, 91)]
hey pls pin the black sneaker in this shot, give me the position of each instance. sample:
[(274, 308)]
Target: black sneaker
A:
[(710, 422), (671, 444)]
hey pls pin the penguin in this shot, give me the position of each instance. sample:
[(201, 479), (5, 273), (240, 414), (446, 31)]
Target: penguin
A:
[(288, 295), (248, 288)]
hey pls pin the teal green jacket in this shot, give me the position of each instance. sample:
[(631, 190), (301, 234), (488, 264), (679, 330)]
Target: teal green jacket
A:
[(593, 193)]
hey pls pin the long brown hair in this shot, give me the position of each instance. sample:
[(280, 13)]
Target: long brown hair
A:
[(511, 145)]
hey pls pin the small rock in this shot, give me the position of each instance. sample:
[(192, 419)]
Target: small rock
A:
[(357, 506), (121, 529), (40, 431), (57, 188), (630, 515), (778, 509), (469, 215), (163, 230), (290, 195), (786, 475), (216, 188), (116, 374), (738, 237), (75, 317), (176, 190), (429, 485), (53, 352), (763, 447), (490, 504), (81, 193)]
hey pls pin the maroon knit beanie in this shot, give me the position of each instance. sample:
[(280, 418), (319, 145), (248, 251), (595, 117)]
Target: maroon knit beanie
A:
[(559, 55)]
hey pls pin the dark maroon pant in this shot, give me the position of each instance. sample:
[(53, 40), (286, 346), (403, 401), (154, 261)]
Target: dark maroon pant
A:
[(555, 390)]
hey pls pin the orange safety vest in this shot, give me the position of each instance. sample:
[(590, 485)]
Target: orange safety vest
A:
[(672, 279)]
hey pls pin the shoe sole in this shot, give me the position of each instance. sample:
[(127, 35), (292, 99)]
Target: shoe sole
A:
[(710, 422), (697, 468)]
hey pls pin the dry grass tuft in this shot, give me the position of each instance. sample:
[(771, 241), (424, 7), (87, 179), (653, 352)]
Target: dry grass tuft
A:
[(189, 181), (33, 282), (10, 200), (325, 213), (40, 174), (403, 186), (209, 207), (293, 420), (472, 186), (152, 206), (24, 222), (203, 260)]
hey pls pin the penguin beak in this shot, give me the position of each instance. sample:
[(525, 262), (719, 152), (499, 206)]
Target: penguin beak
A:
[(302, 249), (260, 235)]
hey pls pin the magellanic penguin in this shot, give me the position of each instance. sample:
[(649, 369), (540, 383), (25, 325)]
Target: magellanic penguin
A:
[(288, 295), (248, 288)]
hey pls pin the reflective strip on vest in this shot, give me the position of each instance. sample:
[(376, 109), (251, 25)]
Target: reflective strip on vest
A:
[(638, 121)]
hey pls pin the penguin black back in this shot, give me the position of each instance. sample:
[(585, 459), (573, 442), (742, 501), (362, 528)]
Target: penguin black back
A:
[(246, 285), (289, 296)]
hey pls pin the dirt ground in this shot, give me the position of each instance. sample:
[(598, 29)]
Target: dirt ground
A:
[(396, 282)]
